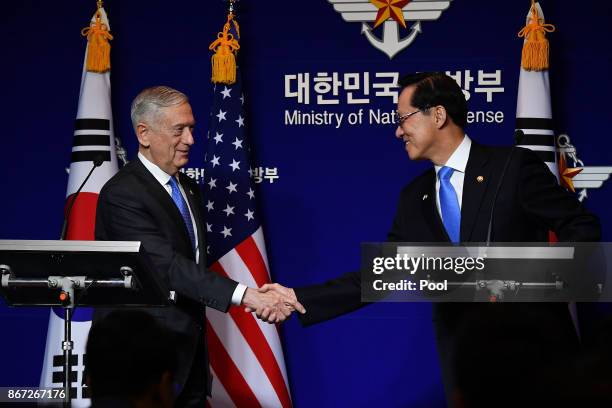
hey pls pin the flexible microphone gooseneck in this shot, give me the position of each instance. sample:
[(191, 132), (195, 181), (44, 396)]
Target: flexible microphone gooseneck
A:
[(518, 135), (97, 162)]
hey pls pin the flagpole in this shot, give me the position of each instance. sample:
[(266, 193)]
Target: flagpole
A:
[(67, 347)]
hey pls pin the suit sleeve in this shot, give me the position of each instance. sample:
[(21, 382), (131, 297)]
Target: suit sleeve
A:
[(122, 218), (542, 198)]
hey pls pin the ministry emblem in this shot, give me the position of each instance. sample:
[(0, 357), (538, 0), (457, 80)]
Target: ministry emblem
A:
[(393, 15)]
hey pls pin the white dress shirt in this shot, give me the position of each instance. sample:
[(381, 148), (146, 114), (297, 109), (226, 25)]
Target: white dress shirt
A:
[(457, 161), (163, 178)]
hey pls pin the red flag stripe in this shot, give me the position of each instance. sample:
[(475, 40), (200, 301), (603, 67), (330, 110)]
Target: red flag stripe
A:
[(237, 388), (248, 251), (259, 345)]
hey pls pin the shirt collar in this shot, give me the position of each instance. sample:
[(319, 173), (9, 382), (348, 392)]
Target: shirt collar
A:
[(158, 173), (458, 160)]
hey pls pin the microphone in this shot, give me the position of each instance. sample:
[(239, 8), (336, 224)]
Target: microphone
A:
[(501, 180), (97, 162)]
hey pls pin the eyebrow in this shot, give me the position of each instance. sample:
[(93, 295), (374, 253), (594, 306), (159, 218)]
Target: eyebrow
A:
[(182, 125)]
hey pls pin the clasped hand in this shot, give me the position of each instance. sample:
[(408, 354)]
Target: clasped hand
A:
[(272, 303)]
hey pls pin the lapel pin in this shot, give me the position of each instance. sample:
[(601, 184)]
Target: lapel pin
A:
[(425, 196), (480, 179)]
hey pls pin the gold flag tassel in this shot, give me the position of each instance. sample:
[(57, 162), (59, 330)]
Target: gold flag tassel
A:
[(98, 50), (535, 48), (224, 58)]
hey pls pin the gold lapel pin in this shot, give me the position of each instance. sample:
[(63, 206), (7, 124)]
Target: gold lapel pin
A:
[(425, 197), (480, 179), (190, 192)]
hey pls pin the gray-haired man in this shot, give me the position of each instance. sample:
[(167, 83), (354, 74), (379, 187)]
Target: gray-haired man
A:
[(150, 201)]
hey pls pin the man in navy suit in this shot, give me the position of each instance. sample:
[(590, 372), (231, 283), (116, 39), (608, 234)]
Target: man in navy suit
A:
[(151, 201), (453, 202)]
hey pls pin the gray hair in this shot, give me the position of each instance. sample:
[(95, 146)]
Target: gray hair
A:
[(147, 104)]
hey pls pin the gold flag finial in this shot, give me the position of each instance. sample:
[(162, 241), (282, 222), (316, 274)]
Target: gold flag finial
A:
[(535, 56), (226, 47), (98, 47)]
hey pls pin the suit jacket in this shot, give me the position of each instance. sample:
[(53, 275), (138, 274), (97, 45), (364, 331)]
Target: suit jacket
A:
[(133, 206), (529, 204)]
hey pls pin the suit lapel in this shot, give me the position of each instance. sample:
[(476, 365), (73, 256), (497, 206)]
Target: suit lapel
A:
[(475, 182), (430, 210), (161, 196)]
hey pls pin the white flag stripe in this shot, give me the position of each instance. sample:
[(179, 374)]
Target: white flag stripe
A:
[(222, 398), (258, 237), (271, 334), (243, 357), (236, 269)]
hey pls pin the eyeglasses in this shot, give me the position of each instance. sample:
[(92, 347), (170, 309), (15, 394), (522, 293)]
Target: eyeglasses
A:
[(399, 119)]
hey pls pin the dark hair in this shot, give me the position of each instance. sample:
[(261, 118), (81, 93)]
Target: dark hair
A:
[(437, 88), (127, 351)]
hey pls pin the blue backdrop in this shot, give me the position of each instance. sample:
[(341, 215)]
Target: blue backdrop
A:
[(338, 184)]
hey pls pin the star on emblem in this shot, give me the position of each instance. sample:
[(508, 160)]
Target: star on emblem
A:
[(567, 173), (389, 9)]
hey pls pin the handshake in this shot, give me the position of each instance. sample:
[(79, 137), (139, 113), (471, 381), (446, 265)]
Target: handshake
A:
[(272, 303)]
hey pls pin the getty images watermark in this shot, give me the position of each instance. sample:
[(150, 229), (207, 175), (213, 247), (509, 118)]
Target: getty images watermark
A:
[(511, 272), (412, 265)]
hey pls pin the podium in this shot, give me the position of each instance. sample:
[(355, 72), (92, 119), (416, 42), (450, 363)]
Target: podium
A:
[(68, 274)]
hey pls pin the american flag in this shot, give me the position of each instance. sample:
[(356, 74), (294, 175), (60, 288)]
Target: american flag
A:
[(246, 356)]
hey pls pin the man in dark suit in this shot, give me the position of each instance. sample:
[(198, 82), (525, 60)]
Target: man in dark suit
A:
[(150, 201), (453, 202)]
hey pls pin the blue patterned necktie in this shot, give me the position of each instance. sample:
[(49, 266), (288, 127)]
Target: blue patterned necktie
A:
[(181, 204), (449, 204)]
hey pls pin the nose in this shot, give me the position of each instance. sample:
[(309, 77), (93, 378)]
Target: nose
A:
[(399, 132), (187, 136)]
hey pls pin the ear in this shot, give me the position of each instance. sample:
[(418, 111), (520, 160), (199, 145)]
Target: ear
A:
[(143, 133), (440, 116)]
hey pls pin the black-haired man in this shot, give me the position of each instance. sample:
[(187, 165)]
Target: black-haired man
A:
[(452, 202)]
